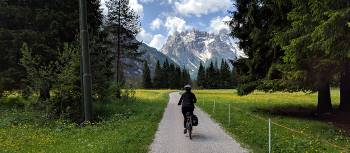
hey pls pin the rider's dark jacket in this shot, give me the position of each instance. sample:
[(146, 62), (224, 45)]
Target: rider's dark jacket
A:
[(187, 100)]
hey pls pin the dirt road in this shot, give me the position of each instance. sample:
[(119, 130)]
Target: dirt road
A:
[(208, 136)]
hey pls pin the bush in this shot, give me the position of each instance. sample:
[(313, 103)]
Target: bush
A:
[(13, 101), (247, 88)]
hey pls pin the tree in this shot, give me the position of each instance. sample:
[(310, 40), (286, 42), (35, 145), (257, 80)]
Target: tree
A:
[(310, 51), (225, 75), (201, 76), (157, 80), (186, 79), (67, 83), (146, 76), (234, 78), (123, 25), (34, 23), (331, 36), (165, 74), (302, 45), (178, 78), (211, 76), (63, 74), (101, 64), (172, 79), (255, 23), (38, 76)]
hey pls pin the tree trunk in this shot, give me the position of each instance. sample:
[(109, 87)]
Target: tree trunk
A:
[(44, 92), (345, 87), (324, 98)]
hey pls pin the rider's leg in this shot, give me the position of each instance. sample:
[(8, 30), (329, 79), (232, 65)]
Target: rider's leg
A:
[(191, 110), (184, 111)]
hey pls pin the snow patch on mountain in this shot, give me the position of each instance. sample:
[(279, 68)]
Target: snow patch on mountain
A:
[(189, 48)]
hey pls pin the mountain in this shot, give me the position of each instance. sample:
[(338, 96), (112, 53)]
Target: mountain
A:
[(189, 48), (151, 55)]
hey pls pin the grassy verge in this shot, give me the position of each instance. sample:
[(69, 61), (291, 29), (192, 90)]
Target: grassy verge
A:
[(292, 110), (127, 126)]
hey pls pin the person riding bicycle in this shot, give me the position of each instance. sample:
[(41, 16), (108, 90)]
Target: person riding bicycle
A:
[(187, 101)]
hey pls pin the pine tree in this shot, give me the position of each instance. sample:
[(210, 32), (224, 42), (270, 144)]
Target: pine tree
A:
[(172, 76), (178, 78), (256, 39), (234, 78), (334, 15), (146, 76), (305, 56), (225, 75), (216, 81), (101, 57), (201, 76), (186, 79), (157, 80), (123, 24), (211, 76), (165, 74)]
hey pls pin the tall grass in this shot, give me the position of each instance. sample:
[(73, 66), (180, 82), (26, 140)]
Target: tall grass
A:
[(249, 124), (125, 126)]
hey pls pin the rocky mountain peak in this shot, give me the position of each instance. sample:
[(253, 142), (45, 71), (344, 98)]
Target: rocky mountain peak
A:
[(189, 48)]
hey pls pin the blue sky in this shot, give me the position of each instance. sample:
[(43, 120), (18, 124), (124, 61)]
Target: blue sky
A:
[(161, 18)]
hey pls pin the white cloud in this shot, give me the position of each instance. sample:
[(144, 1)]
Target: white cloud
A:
[(146, 1), (137, 7), (200, 7), (158, 41), (156, 23), (144, 36), (155, 41), (174, 24), (217, 24), (103, 7)]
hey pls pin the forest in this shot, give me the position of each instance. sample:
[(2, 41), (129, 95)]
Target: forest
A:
[(294, 45), (296, 73)]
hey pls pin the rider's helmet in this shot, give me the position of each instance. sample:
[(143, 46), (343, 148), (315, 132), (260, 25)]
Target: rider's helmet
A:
[(187, 87)]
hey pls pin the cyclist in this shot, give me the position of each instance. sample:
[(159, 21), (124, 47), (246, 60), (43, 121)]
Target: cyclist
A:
[(187, 101)]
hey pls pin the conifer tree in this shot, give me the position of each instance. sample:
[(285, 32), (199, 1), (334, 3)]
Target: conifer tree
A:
[(201, 76), (186, 79), (146, 76), (122, 24), (172, 76), (178, 78), (211, 76), (234, 78), (225, 75), (165, 74), (157, 80)]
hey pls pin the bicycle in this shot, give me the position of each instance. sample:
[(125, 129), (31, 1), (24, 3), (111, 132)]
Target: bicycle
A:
[(189, 125)]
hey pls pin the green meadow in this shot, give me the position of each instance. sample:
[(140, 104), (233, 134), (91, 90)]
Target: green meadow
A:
[(130, 125), (294, 127), (123, 126)]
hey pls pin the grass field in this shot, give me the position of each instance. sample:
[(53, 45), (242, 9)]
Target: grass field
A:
[(249, 125), (127, 127)]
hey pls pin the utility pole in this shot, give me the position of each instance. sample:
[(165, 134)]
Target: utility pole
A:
[(84, 41)]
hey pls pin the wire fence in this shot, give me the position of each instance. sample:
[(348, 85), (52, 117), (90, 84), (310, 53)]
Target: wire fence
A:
[(269, 124)]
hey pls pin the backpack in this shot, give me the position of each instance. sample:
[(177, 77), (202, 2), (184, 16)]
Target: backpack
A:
[(194, 120)]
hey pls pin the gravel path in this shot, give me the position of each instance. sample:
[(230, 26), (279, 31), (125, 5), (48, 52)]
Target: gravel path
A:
[(208, 136)]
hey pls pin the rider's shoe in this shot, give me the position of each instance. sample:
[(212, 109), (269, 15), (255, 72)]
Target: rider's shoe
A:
[(185, 131)]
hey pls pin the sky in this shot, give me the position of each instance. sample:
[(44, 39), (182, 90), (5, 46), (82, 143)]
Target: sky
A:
[(161, 18)]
